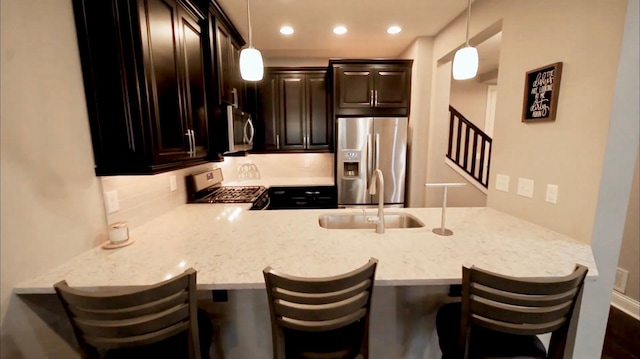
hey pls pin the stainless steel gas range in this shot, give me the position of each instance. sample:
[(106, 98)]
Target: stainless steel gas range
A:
[(206, 187)]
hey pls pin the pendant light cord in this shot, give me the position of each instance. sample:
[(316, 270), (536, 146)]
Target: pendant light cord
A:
[(468, 21), (249, 21)]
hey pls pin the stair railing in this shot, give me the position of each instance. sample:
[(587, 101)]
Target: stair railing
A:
[(469, 147)]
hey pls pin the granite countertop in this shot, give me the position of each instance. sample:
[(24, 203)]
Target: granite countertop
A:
[(230, 246)]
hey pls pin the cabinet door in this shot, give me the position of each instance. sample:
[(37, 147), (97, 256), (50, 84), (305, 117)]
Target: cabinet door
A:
[(355, 87), (292, 111), (194, 81), (267, 114), (162, 51), (317, 112), (223, 46), (237, 83), (390, 86)]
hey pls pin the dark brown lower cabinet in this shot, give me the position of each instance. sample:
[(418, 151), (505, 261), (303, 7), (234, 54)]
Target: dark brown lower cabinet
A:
[(143, 71), (307, 197), (292, 110)]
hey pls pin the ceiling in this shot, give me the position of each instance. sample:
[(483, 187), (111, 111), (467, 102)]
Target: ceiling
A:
[(366, 20)]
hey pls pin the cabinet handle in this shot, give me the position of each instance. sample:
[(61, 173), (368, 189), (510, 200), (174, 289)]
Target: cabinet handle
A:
[(371, 98), (375, 98), (188, 134), (277, 142), (193, 141), (234, 97)]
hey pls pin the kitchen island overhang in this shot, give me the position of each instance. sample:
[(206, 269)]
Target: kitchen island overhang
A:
[(229, 246)]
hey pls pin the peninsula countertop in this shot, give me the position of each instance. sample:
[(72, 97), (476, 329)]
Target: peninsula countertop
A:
[(229, 247)]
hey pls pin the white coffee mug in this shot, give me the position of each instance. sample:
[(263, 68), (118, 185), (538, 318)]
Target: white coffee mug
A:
[(118, 232)]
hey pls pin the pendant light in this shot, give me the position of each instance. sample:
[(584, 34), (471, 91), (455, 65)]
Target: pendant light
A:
[(251, 65), (465, 61)]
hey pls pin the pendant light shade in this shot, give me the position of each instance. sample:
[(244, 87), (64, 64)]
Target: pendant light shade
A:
[(465, 61), (251, 64)]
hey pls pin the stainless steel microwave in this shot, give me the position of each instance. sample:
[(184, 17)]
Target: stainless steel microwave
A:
[(241, 130)]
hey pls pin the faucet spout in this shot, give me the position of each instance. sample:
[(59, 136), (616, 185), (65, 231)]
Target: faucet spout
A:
[(378, 178)]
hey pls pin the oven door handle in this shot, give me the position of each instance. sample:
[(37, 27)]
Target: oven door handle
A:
[(266, 206)]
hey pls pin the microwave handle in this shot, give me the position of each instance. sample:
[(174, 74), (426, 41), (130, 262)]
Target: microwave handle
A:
[(245, 137), (253, 131)]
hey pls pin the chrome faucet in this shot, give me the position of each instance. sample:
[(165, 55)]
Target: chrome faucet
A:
[(379, 219)]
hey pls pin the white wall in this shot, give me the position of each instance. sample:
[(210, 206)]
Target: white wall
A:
[(51, 202), (421, 51), (555, 152), (469, 97), (295, 62), (615, 184), (631, 239)]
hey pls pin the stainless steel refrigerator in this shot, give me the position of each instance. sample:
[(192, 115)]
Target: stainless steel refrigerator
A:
[(363, 145)]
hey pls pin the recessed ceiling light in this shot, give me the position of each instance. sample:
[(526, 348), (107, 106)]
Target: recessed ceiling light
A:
[(339, 30), (394, 30), (286, 30)]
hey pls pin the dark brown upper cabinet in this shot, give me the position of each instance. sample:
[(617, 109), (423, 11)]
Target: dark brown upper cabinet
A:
[(144, 79), (292, 111), (232, 88), (223, 43), (371, 87)]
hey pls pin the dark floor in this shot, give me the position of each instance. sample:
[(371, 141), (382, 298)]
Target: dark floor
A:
[(622, 340)]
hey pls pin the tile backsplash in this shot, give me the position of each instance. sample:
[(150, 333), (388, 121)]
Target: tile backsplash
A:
[(278, 166), (143, 198)]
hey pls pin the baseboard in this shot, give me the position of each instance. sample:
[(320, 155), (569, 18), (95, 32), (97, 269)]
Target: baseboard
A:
[(466, 176), (626, 304)]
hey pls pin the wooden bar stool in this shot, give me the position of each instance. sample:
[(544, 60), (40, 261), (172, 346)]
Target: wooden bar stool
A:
[(321, 318), (157, 321), (500, 316)]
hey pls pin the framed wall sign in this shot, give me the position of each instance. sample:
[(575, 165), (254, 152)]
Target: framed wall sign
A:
[(541, 89)]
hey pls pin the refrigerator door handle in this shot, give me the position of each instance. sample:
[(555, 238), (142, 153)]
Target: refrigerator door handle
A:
[(377, 151), (369, 172)]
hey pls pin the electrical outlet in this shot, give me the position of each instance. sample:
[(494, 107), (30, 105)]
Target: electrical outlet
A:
[(620, 283), (502, 183), (112, 201), (525, 187), (173, 184), (552, 193)]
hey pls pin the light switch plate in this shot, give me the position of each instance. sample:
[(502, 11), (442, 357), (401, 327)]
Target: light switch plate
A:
[(502, 183), (552, 193), (173, 184), (525, 187), (113, 205)]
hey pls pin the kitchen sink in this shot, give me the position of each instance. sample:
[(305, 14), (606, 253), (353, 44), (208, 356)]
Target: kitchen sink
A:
[(356, 221)]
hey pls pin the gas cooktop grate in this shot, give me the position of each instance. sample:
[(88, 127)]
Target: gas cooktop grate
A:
[(237, 194)]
